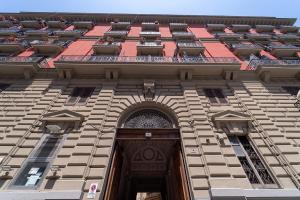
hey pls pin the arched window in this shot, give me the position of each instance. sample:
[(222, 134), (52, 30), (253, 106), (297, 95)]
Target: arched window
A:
[(148, 118)]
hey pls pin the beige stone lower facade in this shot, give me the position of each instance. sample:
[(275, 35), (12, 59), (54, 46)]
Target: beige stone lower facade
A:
[(85, 153)]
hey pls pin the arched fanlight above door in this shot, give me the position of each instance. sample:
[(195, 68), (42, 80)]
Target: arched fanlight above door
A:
[(148, 118)]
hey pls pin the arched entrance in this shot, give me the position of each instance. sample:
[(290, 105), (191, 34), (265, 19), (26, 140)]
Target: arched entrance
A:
[(147, 159)]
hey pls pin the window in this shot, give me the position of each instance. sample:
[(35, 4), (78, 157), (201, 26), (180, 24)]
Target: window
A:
[(254, 168), (3, 86), (292, 90), (38, 162), (215, 96), (80, 95)]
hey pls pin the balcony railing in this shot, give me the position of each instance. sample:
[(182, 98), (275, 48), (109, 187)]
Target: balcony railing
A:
[(6, 24), (20, 59), (285, 37), (258, 36), (189, 45), (150, 26), (228, 36), (240, 27), (246, 46), (31, 24), (83, 25), (120, 25), (178, 26), (68, 33), (256, 63), (264, 28), (216, 27), (116, 34), (288, 29), (9, 32), (107, 47), (148, 59), (50, 42), (38, 32), (282, 46), (56, 24), (150, 34), (183, 35)]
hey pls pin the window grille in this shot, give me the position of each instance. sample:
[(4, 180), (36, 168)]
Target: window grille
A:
[(254, 168)]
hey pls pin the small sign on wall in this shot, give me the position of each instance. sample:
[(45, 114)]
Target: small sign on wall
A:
[(92, 191)]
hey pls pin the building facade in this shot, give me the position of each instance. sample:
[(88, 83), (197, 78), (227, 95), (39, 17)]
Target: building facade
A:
[(111, 106)]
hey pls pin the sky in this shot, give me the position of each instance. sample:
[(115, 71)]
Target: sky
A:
[(273, 8)]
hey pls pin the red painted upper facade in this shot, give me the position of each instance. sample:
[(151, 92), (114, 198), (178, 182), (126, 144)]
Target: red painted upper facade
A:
[(193, 42)]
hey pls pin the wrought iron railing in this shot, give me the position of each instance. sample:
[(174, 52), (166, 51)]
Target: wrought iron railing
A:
[(20, 59), (253, 64), (50, 42), (246, 46), (149, 59), (14, 42), (38, 32), (107, 44), (190, 45), (150, 44), (9, 30), (116, 32), (149, 33)]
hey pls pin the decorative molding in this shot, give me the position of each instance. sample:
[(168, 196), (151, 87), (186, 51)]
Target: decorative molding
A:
[(232, 122), (63, 117), (149, 90)]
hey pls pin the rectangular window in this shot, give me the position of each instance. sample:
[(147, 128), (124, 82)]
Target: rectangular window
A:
[(292, 90), (38, 162), (3, 86), (80, 95), (254, 168), (215, 96)]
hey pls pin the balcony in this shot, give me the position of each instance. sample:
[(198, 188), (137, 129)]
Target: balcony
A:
[(246, 49), (240, 28), (191, 49), (150, 48), (110, 48), (216, 27), (48, 47), (32, 24), (150, 34), (120, 26), (83, 25), (19, 67), (276, 68), (264, 28), (183, 36), (178, 26), (13, 47), (10, 32), (6, 24), (283, 50), (150, 26), (288, 37), (56, 24), (228, 36), (258, 36), (146, 66), (37, 33), (116, 34), (288, 29), (68, 33)]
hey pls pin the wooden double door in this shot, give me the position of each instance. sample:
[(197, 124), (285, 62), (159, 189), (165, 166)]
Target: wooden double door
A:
[(147, 161)]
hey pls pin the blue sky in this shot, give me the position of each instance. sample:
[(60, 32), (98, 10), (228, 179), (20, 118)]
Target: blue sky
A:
[(277, 8)]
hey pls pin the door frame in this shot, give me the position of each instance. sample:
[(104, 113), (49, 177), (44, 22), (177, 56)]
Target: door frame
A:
[(142, 134)]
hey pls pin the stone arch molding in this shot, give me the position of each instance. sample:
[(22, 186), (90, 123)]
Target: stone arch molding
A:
[(148, 115), (232, 122)]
